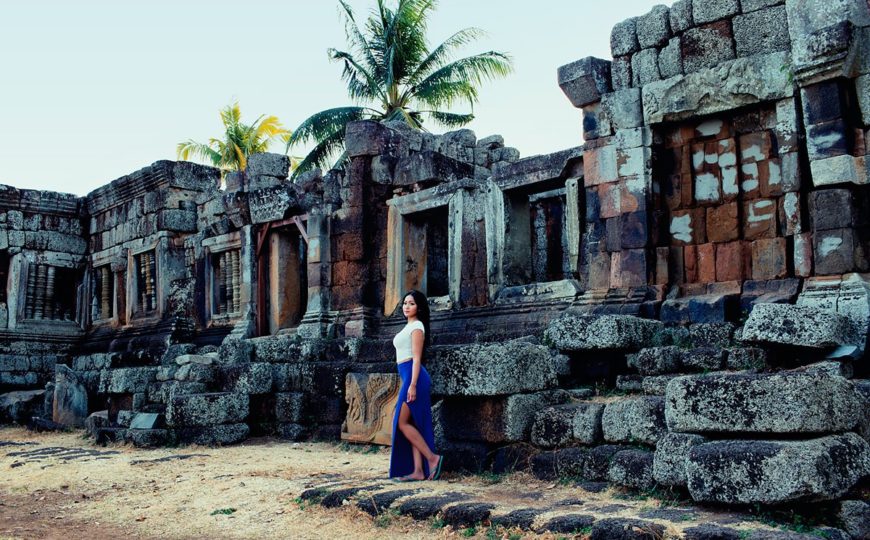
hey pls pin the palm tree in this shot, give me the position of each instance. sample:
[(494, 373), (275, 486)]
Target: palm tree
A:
[(240, 140), (390, 64)]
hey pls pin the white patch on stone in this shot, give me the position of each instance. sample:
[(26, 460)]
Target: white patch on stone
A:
[(791, 205), (711, 158), (826, 141), (697, 159), (729, 181), (750, 171), (728, 159), (757, 213), (775, 176), (681, 228), (829, 245), (710, 127), (753, 152), (706, 187)]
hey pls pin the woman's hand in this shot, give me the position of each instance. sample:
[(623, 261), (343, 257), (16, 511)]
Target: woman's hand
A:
[(412, 393)]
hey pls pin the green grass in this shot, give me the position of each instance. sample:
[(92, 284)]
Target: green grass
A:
[(437, 523), (469, 532), (223, 512), (491, 477), (386, 518)]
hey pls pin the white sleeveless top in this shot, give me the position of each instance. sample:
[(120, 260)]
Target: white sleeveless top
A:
[(402, 341)]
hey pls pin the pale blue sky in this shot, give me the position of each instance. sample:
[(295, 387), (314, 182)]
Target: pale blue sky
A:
[(93, 90)]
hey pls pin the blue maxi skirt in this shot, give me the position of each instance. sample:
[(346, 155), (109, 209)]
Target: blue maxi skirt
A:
[(401, 457)]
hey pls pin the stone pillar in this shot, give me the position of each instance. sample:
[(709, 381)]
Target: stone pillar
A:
[(316, 319), (395, 259)]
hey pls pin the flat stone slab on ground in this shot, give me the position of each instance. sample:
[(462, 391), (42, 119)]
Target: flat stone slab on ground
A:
[(775, 472), (787, 402)]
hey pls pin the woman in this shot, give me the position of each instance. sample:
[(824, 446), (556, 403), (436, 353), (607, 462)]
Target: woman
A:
[(412, 457)]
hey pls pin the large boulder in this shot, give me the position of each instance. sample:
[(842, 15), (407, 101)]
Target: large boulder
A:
[(19, 406), (788, 402), (70, 406), (572, 332), (206, 409), (635, 420), (776, 472), (801, 326), (495, 419), (492, 369)]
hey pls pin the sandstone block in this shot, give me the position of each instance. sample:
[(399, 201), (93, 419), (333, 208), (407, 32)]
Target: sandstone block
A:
[(206, 409), (669, 461), (705, 11), (563, 424), (585, 81), (801, 326), (762, 31), (632, 468), (761, 403), (776, 472), (634, 420), (623, 38), (495, 419), (654, 28), (575, 332)]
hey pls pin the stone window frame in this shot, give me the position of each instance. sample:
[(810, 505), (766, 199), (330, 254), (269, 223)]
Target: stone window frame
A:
[(501, 193), (294, 225), (212, 247), (96, 264), (132, 308), (19, 269), (443, 195)]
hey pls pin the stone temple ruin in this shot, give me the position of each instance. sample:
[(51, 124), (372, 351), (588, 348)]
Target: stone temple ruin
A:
[(683, 300)]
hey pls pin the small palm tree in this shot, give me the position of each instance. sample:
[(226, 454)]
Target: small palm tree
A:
[(391, 65), (240, 140)]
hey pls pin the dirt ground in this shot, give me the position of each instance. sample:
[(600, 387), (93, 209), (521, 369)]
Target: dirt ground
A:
[(245, 491)]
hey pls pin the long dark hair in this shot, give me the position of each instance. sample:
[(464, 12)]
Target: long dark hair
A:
[(422, 314)]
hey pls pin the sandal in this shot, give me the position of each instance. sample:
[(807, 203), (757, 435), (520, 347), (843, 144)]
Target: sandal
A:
[(437, 474), (406, 478)]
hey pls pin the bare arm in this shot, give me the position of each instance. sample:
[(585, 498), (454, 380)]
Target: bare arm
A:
[(417, 350)]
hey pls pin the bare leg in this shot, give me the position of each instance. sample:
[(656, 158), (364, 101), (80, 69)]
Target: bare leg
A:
[(418, 462), (413, 435)]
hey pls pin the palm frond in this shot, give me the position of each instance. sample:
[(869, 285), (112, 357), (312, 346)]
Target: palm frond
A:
[(438, 57), (450, 120), (191, 148), (319, 126), (474, 69), (356, 37), (361, 84), (320, 155), (438, 94)]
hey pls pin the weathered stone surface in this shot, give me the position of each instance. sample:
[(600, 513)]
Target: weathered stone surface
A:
[(681, 16), (371, 401), (801, 326), (430, 166), (268, 164), (656, 360), (563, 424), (510, 367), (18, 407), (654, 28), (495, 419), (206, 409), (761, 403), (623, 38), (126, 380), (626, 529), (671, 59), (70, 398), (634, 420), (706, 46), (776, 472), (254, 378), (855, 517), (669, 462), (148, 438), (467, 515), (576, 333), (146, 421), (214, 435), (585, 81), (729, 85), (195, 372), (645, 67), (623, 109), (762, 31), (705, 11), (703, 359), (632, 468)]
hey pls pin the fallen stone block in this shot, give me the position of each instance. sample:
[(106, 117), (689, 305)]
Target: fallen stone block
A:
[(126, 380), (669, 461), (214, 435), (196, 372), (855, 517), (786, 402), (577, 333), (70, 398), (19, 406), (632, 468), (656, 385), (421, 508), (563, 424), (634, 420), (800, 326), (492, 369), (289, 406), (626, 529), (206, 409), (776, 472), (495, 419), (467, 514), (703, 359), (149, 438), (656, 360)]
